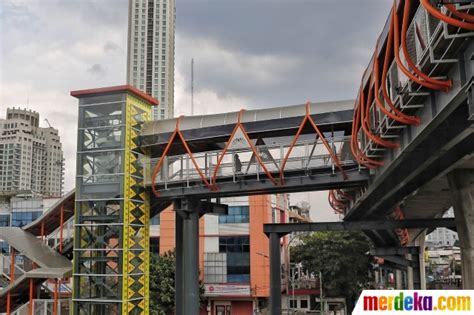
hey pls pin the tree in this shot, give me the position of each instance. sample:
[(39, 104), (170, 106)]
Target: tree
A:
[(162, 291), (342, 259), (162, 270)]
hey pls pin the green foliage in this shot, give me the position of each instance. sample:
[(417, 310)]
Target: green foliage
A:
[(162, 291), (342, 259), (162, 270)]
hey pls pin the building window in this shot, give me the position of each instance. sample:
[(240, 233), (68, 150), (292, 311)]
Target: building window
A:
[(155, 220), (4, 248), (4, 220), (215, 268), (20, 219), (236, 214), (237, 250), (304, 304), (155, 245), (293, 304)]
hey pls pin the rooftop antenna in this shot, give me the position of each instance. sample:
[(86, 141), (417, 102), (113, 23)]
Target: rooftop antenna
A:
[(192, 86), (28, 98)]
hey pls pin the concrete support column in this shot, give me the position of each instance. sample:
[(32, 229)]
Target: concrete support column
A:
[(461, 183), (275, 274), (410, 284), (420, 242), (178, 280), (415, 276), (415, 260), (398, 279), (191, 258)]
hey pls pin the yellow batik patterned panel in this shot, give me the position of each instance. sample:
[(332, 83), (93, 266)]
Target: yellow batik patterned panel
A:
[(136, 247)]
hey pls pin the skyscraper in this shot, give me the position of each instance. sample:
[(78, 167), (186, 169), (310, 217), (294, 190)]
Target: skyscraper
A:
[(150, 61), (31, 157)]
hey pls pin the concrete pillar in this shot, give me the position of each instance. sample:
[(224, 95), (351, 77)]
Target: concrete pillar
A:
[(461, 183), (415, 274), (275, 274), (191, 258), (398, 279), (420, 242), (178, 277), (410, 285)]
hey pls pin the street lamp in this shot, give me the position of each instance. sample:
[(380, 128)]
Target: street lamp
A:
[(264, 271), (289, 275), (321, 292)]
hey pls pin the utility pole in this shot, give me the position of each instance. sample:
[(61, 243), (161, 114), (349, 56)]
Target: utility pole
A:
[(321, 291), (192, 86)]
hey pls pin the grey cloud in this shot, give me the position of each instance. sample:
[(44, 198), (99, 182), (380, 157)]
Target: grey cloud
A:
[(97, 70), (332, 40), (248, 53), (111, 47)]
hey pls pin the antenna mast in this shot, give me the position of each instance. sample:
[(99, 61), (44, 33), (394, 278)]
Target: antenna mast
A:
[(192, 86)]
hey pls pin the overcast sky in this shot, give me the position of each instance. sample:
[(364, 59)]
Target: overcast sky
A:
[(248, 54)]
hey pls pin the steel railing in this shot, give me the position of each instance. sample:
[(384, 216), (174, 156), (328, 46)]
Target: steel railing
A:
[(306, 155)]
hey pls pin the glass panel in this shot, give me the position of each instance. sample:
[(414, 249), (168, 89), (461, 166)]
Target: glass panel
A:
[(4, 220), (101, 99), (108, 209), (238, 257), (236, 214), (101, 163), (101, 138), (20, 219), (101, 115)]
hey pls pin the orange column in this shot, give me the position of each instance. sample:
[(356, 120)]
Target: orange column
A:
[(12, 278), (30, 307), (167, 230), (260, 211), (55, 305), (167, 235), (42, 230)]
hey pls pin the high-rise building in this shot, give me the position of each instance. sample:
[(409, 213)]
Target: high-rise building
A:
[(31, 157), (441, 237), (150, 63)]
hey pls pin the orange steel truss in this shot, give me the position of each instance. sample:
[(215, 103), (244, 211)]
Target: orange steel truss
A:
[(212, 183), (240, 126), (156, 170)]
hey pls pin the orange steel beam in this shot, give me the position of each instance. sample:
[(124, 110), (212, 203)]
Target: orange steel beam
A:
[(465, 16), (396, 115), (365, 120), (55, 305), (254, 150), (449, 20), (307, 118), (444, 85), (399, 62), (30, 306), (156, 170), (12, 279), (42, 230), (356, 151)]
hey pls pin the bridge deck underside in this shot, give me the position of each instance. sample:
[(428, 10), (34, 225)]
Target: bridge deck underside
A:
[(296, 181)]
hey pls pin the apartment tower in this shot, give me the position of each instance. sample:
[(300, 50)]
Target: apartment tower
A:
[(150, 61), (31, 157)]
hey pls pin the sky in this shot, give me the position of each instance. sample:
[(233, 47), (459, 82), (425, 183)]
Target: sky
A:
[(247, 54)]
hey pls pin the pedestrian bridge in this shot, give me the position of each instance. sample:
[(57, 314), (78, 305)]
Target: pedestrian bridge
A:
[(288, 149)]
